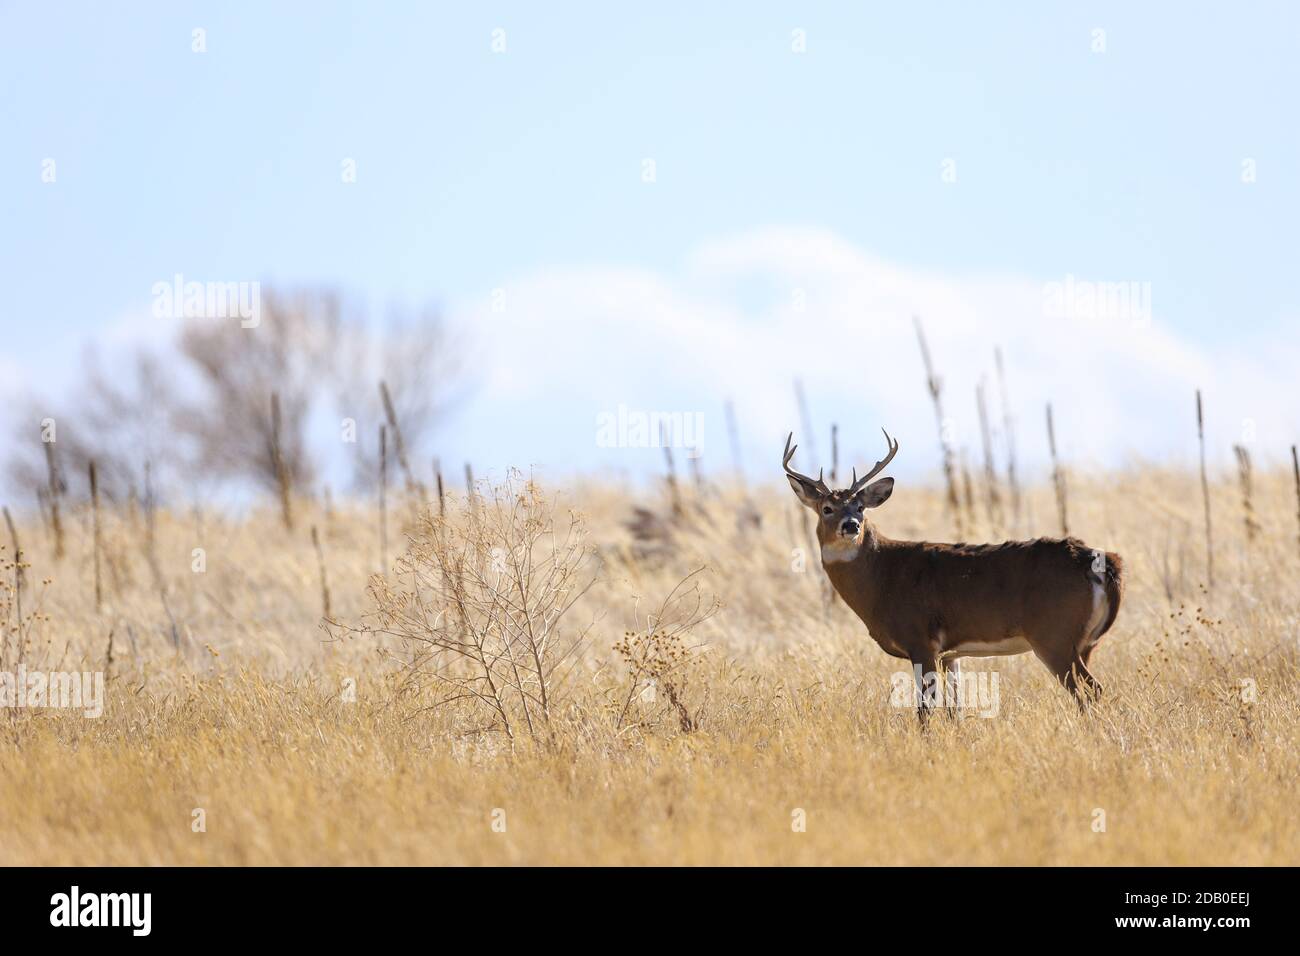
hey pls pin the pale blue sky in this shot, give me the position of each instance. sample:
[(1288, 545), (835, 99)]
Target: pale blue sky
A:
[(476, 169)]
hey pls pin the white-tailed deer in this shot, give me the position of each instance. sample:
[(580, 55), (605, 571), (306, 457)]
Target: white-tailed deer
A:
[(935, 603)]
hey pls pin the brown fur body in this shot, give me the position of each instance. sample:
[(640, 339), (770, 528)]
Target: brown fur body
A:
[(924, 601)]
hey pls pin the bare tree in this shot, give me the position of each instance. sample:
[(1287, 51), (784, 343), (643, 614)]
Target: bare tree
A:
[(208, 414), (122, 418), (291, 352)]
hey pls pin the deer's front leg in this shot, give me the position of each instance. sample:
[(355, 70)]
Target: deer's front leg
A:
[(929, 689)]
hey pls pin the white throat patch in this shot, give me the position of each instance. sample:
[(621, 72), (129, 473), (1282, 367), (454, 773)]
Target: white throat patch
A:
[(840, 550)]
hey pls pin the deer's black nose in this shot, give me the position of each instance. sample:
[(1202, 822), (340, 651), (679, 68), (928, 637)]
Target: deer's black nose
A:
[(850, 527)]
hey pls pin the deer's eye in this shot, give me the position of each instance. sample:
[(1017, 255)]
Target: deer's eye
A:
[(826, 510)]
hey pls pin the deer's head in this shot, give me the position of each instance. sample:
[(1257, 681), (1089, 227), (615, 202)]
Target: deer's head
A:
[(841, 515)]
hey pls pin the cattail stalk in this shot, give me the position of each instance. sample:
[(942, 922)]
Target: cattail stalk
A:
[(1058, 476), (437, 481), (935, 386), (383, 499), (1008, 428), (399, 446), (835, 451), (56, 523), (993, 498), (469, 488), (1295, 469), (94, 517), (280, 465), (674, 493), (1205, 495), (324, 583), (968, 491), (151, 555), (1245, 474)]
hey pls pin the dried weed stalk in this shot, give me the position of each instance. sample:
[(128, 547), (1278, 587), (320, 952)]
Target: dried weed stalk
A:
[(659, 659)]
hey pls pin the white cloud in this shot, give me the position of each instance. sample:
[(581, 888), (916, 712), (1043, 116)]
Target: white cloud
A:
[(576, 340)]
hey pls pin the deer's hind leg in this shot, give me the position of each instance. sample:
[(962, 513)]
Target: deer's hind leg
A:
[(1080, 682), (1085, 653), (952, 685), (1062, 658)]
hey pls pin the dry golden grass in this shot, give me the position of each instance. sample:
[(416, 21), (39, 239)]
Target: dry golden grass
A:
[(248, 718)]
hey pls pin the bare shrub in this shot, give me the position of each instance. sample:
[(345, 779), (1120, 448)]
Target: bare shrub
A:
[(479, 604)]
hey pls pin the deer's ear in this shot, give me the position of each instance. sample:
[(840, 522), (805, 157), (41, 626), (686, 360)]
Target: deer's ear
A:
[(806, 493), (876, 493)]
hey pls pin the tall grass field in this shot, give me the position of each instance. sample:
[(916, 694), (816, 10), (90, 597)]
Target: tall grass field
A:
[(538, 675)]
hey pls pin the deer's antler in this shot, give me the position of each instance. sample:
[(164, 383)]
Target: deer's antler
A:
[(860, 483), (818, 485)]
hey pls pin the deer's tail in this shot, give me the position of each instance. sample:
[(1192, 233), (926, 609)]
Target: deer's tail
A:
[(1113, 584)]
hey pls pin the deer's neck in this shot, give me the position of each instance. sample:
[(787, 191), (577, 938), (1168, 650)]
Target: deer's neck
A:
[(853, 569)]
